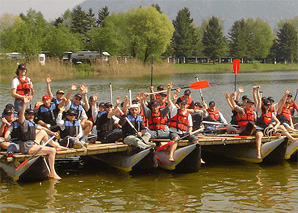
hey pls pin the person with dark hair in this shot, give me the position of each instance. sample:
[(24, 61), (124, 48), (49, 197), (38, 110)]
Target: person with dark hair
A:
[(190, 102), (213, 114), (59, 94), (6, 123), (292, 104), (21, 86)]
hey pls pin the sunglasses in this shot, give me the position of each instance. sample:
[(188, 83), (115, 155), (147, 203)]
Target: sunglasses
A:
[(78, 99)]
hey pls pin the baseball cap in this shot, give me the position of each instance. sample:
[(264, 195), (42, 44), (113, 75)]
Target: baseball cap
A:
[(133, 106), (22, 67), (29, 111), (101, 104), (9, 106), (266, 102), (108, 104), (244, 97), (198, 104), (187, 92), (8, 111), (271, 99), (135, 101), (46, 97), (71, 112), (290, 95), (78, 96), (155, 103), (160, 87), (212, 103), (60, 91), (250, 101), (163, 93), (183, 101)]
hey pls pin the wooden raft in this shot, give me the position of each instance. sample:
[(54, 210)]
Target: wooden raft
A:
[(98, 148)]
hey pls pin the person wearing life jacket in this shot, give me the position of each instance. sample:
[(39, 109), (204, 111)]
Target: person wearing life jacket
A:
[(59, 94), (107, 126), (269, 120), (212, 114), (31, 134), (197, 116), (47, 114), (246, 117), (157, 118), (133, 129), (71, 134), (141, 111), (272, 105), (180, 123), (284, 113), (190, 102), (77, 104), (6, 123), (21, 86), (292, 105)]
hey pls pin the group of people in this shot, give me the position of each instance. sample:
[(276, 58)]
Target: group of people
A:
[(72, 118)]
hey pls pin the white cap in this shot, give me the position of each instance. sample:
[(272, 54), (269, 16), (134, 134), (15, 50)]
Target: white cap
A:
[(133, 106)]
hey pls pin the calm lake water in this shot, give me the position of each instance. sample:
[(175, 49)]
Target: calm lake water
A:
[(228, 186)]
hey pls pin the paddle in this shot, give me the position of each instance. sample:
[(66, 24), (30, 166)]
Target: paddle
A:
[(195, 85), (296, 95), (175, 141), (236, 68), (200, 91), (26, 161), (152, 71), (111, 93), (130, 100), (216, 123)]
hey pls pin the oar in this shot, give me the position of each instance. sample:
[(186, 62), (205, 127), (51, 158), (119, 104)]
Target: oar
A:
[(175, 141), (26, 161), (111, 93), (200, 90), (216, 123), (195, 85), (130, 100), (295, 95), (152, 70), (236, 68)]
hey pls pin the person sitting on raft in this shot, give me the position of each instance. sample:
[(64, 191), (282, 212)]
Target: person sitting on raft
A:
[(134, 131), (269, 120), (212, 114), (59, 94), (190, 102), (292, 105), (180, 123), (284, 113), (157, 118), (106, 122), (246, 118)]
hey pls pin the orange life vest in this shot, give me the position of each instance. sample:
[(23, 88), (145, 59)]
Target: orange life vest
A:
[(156, 121), (24, 87), (292, 107), (272, 108), (267, 117), (142, 114), (249, 116), (189, 101), (179, 121), (285, 116), (213, 114)]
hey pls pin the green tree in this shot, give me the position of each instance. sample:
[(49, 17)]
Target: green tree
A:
[(238, 37), (90, 19), (79, 18), (287, 43), (184, 39), (102, 14), (157, 7), (213, 39)]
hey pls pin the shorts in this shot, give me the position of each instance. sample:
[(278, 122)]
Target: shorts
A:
[(190, 138), (26, 146)]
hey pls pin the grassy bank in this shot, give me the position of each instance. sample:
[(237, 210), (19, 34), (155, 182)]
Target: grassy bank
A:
[(116, 68)]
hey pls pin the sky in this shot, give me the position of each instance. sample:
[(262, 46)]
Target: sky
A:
[(51, 9)]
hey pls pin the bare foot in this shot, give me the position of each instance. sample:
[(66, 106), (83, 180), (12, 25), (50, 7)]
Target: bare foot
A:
[(171, 159), (259, 156), (202, 162), (56, 177)]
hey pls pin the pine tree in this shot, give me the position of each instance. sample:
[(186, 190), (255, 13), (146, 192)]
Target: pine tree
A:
[(79, 18), (102, 14)]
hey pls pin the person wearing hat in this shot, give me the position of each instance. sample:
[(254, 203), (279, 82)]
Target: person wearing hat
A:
[(246, 118), (106, 122), (59, 94), (190, 102), (272, 105), (133, 129), (30, 136), (292, 104), (284, 113), (21, 86), (71, 135), (197, 116), (214, 115), (47, 114), (77, 104), (157, 118), (6, 123), (180, 123)]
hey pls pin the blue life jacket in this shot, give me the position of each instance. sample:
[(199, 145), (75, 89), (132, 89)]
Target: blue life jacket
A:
[(71, 129)]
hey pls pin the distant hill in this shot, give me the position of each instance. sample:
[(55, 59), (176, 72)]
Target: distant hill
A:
[(228, 10)]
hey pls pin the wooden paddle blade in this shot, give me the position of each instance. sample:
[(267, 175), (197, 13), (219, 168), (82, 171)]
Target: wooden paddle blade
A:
[(236, 65), (199, 85)]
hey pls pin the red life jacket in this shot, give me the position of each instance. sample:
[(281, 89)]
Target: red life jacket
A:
[(6, 126), (156, 121), (179, 121), (213, 114), (272, 108), (24, 87), (285, 115), (267, 117), (249, 116), (189, 101), (292, 107), (143, 117)]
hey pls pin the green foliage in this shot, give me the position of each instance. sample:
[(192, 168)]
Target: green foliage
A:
[(102, 14), (184, 39), (213, 39), (79, 18)]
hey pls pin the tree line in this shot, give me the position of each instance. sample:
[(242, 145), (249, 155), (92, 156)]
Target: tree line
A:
[(145, 31)]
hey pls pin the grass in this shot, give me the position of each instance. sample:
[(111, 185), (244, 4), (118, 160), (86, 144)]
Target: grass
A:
[(119, 68)]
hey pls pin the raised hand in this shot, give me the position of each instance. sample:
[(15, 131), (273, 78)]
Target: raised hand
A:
[(95, 97), (48, 79), (240, 90), (227, 95), (73, 87), (118, 101)]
